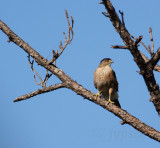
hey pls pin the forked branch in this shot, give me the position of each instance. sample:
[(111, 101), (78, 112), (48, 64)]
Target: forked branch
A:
[(68, 39), (156, 57), (31, 65), (148, 49), (42, 83)]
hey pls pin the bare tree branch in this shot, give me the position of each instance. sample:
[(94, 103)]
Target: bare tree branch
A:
[(154, 60), (42, 83), (40, 91), (146, 69), (122, 15), (148, 49), (31, 65), (105, 14), (150, 31), (156, 68), (100, 3), (77, 88), (138, 40), (46, 78), (119, 47), (68, 40)]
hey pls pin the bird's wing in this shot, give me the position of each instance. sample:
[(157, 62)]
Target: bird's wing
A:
[(114, 81), (95, 82)]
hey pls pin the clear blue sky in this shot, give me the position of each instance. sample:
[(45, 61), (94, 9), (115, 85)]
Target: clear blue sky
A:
[(61, 119)]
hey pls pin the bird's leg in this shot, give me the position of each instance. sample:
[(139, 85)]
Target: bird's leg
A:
[(98, 94), (110, 93), (109, 100)]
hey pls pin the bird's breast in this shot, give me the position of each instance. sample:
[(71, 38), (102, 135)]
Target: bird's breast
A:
[(101, 77)]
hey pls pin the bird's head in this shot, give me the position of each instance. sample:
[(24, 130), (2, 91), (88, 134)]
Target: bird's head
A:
[(105, 62)]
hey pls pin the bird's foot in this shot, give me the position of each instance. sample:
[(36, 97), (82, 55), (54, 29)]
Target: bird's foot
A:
[(109, 101), (97, 95)]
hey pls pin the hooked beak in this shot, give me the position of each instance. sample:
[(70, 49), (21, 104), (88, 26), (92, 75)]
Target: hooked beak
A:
[(111, 61)]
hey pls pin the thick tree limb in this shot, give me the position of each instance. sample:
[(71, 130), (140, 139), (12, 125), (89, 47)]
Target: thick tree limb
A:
[(156, 68), (77, 88), (146, 69), (40, 91)]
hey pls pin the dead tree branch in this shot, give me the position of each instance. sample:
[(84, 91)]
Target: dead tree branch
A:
[(105, 14), (42, 83), (156, 68), (138, 40), (122, 15), (40, 91), (119, 47), (67, 40), (77, 88), (46, 78), (31, 65), (148, 49), (146, 69), (154, 60), (150, 31)]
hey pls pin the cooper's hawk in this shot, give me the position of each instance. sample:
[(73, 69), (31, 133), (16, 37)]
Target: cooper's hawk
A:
[(106, 82)]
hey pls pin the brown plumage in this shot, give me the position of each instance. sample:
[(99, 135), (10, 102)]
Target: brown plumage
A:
[(106, 82)]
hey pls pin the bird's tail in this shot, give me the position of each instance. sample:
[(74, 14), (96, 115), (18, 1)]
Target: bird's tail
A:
[(116, 102)]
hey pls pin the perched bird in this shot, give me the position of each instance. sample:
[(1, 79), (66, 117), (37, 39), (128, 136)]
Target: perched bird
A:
[(106, 82)]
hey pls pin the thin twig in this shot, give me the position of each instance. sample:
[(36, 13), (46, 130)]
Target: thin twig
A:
[(67, 40), (42, 83), (100, 3), (119, 47), (31, 65), (122, 15), (150, 32), (105, 14), (147, 48), (46, 78), (138, 40)]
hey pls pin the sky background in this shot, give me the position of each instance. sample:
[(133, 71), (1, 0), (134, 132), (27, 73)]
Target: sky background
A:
[(61, 119)]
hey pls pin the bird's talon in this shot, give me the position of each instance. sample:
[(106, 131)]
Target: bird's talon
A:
[(109, 101), (97, 95)]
